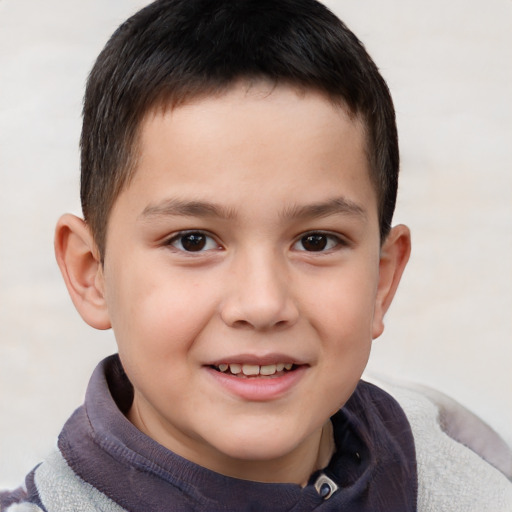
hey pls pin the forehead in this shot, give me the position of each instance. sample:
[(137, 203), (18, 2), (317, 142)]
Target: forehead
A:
[(260, 134), (258, 102)]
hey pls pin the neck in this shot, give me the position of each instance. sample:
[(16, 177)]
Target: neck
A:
[(296, 467)]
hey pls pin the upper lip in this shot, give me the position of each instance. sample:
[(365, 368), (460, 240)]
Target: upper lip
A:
[(254, 359)]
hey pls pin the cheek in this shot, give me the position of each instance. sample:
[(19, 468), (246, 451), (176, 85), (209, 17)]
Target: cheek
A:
[(156, 314), (346, 334), (343, 307), (343, 319)]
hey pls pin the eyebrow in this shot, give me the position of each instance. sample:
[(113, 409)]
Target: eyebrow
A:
[(177, 207), (335, 206)]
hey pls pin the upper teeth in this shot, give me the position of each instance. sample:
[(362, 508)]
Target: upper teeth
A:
[(254, 369)]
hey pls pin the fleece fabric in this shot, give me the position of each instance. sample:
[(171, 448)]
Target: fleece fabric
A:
[(103, 463), (416, 451)]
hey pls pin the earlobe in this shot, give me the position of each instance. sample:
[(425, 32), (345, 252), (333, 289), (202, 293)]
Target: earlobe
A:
[(81, 268), (394, 256)]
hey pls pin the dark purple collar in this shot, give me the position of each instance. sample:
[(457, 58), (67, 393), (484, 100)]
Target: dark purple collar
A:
[(374, 465)]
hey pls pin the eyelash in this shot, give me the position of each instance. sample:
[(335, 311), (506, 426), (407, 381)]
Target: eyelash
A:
[(322, 242)]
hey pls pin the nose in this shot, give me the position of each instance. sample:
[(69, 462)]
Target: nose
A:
[(259, 294)]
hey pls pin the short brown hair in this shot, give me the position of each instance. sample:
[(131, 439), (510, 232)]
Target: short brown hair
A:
[(178, 50)]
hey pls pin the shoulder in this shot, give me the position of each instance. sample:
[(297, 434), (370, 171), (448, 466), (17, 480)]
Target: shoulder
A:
[(462, 463), (17, 501), (54, 487), (22, 507)]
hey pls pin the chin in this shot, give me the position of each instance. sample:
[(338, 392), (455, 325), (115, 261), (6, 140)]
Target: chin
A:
[(261, 445), (260, 452)]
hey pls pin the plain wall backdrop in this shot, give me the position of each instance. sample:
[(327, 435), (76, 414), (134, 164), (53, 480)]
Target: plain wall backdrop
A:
[(448, 65)]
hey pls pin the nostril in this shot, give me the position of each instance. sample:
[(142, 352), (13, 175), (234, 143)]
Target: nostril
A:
[(241, 323), (281, 324)]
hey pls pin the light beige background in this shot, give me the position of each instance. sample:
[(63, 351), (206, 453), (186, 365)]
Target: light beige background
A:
[(448, 64)]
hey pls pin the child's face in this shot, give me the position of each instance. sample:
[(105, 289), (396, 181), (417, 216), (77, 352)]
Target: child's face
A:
[(248, 236)]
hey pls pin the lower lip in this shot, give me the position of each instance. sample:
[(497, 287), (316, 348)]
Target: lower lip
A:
[(258, 389)]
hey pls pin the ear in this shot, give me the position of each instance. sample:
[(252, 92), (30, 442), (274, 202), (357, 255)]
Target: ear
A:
[(394, 256), (80, 265)]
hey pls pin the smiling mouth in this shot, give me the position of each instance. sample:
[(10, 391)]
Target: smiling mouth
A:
[(254, 370)]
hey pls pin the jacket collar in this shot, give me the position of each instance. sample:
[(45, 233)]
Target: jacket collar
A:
[(374, 461)]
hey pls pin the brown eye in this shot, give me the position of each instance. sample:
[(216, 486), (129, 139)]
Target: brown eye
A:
[(193, 241), (317, 242), (314, 242)]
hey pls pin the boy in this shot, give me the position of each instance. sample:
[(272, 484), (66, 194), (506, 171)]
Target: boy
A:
[(239, 175)]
